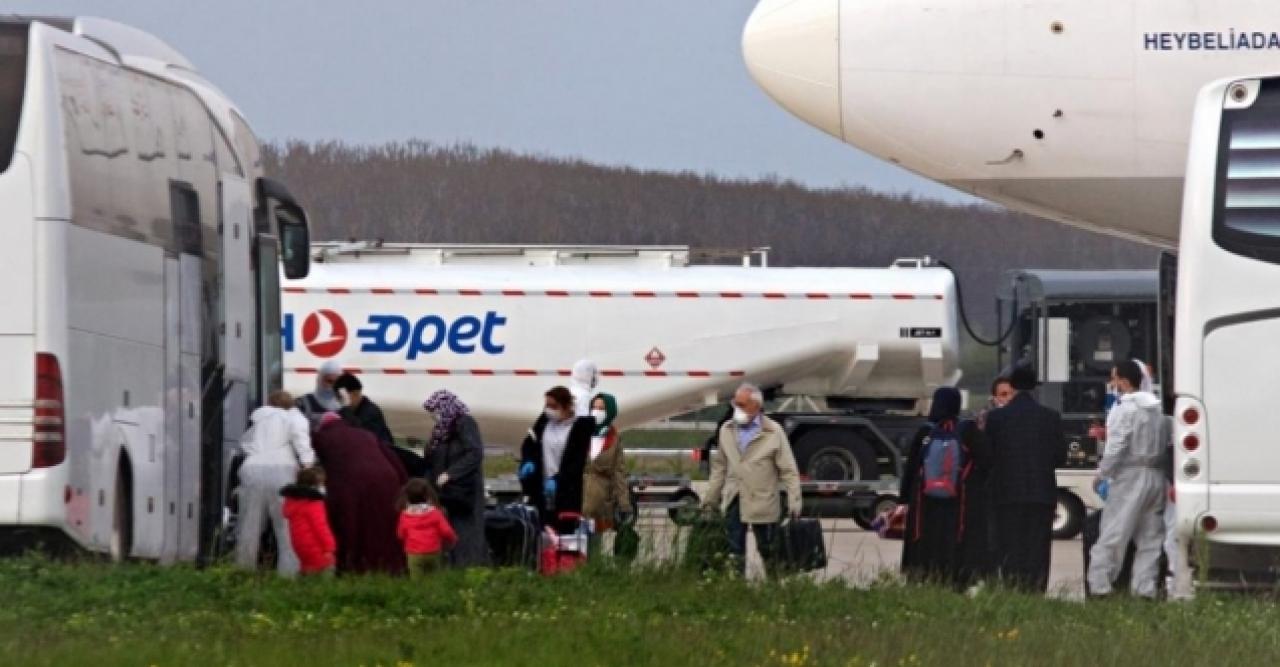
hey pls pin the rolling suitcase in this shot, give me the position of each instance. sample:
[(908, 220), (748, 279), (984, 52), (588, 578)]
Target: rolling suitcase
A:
[(798, 546), (512, 533), (565, 545)]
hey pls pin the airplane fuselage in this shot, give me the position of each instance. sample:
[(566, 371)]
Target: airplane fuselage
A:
[(1078, 111)]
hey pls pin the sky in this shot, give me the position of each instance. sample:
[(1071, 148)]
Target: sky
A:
[(654, 84)]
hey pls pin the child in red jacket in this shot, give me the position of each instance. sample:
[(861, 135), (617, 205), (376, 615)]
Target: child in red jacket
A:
[(424, 529), (308, 523)]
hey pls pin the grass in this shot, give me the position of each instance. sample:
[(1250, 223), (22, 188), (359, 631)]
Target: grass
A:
[(148, 615)]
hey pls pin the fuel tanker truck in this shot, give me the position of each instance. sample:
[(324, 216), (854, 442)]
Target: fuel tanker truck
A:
[(856, 352)]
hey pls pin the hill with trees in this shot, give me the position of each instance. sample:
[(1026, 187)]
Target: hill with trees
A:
[(420, 192)]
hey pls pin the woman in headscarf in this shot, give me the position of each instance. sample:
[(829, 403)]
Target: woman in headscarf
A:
[(605, 495), (325, 397), (362, 490), (554, 455), (947, 539), (456, 456)]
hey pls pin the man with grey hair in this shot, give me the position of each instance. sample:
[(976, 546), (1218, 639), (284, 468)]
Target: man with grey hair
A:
[(752, 461)]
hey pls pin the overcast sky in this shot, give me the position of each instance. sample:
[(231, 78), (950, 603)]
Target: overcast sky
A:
[(654, 84)]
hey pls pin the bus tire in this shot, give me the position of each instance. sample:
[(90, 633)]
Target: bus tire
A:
[(121, 545), (1068, 516)]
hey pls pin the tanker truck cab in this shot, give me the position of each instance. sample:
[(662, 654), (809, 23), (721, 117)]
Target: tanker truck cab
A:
[(143, 256), (1072, 327)]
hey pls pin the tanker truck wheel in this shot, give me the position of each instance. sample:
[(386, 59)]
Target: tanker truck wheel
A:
[(835, 455), (1068, 516), (864, 518)]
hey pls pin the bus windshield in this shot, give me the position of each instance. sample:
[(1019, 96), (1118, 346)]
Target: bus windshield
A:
[(13, 81)]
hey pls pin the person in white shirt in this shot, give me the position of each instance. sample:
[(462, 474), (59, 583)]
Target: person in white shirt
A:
[(276, 446), (554, 455)]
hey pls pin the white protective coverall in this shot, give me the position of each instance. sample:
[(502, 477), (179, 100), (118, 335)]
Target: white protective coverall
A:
[(1137, 435), (277, 443)]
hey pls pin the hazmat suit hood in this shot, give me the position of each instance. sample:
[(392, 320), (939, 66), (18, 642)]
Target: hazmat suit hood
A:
[(263, 413), (1145, 400), (325, 396), (1148, 385), (582, 384)]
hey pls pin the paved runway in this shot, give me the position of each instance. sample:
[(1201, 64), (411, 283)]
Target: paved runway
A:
[(862, 557)]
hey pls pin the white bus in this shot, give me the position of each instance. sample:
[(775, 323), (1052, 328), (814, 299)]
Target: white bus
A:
[(1227, 342), (141, 290)]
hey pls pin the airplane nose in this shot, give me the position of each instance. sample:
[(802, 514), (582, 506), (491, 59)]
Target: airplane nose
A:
[(792, 50)]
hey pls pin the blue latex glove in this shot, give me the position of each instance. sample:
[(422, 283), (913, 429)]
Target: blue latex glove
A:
[(550, 487), (526, 469)]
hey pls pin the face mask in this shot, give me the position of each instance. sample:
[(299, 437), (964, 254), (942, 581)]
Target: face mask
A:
[(599, 416), (740, 417), (553, 414)]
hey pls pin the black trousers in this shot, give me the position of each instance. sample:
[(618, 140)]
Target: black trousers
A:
[(737, 534), (1024, 545)]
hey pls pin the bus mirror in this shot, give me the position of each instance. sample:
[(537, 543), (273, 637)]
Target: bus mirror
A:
[(295, 241), (291, 223)]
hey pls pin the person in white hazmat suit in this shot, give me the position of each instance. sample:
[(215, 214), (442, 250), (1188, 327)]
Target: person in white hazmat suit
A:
[(582, 384), (276, 446), (1133, 463)]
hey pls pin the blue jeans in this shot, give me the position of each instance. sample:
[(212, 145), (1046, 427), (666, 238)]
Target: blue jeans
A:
[(737, 533)]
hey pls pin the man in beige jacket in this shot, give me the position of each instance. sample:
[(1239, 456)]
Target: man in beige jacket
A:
[(752, 460)]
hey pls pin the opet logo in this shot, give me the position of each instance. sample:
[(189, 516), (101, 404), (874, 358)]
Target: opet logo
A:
[(324, 333)]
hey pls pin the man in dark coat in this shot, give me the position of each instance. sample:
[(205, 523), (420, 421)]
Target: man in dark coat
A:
[(1027, 443), (364, 482), (456, 456), (359, 411), (363, 413)]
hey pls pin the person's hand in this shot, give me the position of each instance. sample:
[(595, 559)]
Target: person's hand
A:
[(549, 488), (442, 479), (526, 470), (793, 512)]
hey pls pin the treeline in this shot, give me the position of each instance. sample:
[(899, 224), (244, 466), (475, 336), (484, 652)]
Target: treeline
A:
[(417, 191)]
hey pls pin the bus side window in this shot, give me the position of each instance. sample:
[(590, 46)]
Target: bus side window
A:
[(184, 205)]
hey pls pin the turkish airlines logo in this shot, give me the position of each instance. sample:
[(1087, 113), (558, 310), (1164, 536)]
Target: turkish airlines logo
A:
[(324, 333)]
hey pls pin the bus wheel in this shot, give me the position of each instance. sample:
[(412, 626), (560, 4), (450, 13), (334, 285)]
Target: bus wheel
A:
[(1068, 516), (122, 514)]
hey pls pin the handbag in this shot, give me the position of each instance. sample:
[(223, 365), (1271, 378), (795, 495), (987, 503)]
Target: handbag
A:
[(799, 546)]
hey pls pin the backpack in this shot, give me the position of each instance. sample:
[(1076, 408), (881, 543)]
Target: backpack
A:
[(945, 463)]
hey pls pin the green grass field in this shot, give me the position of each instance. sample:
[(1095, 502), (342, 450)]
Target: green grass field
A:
[(94, 614)]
